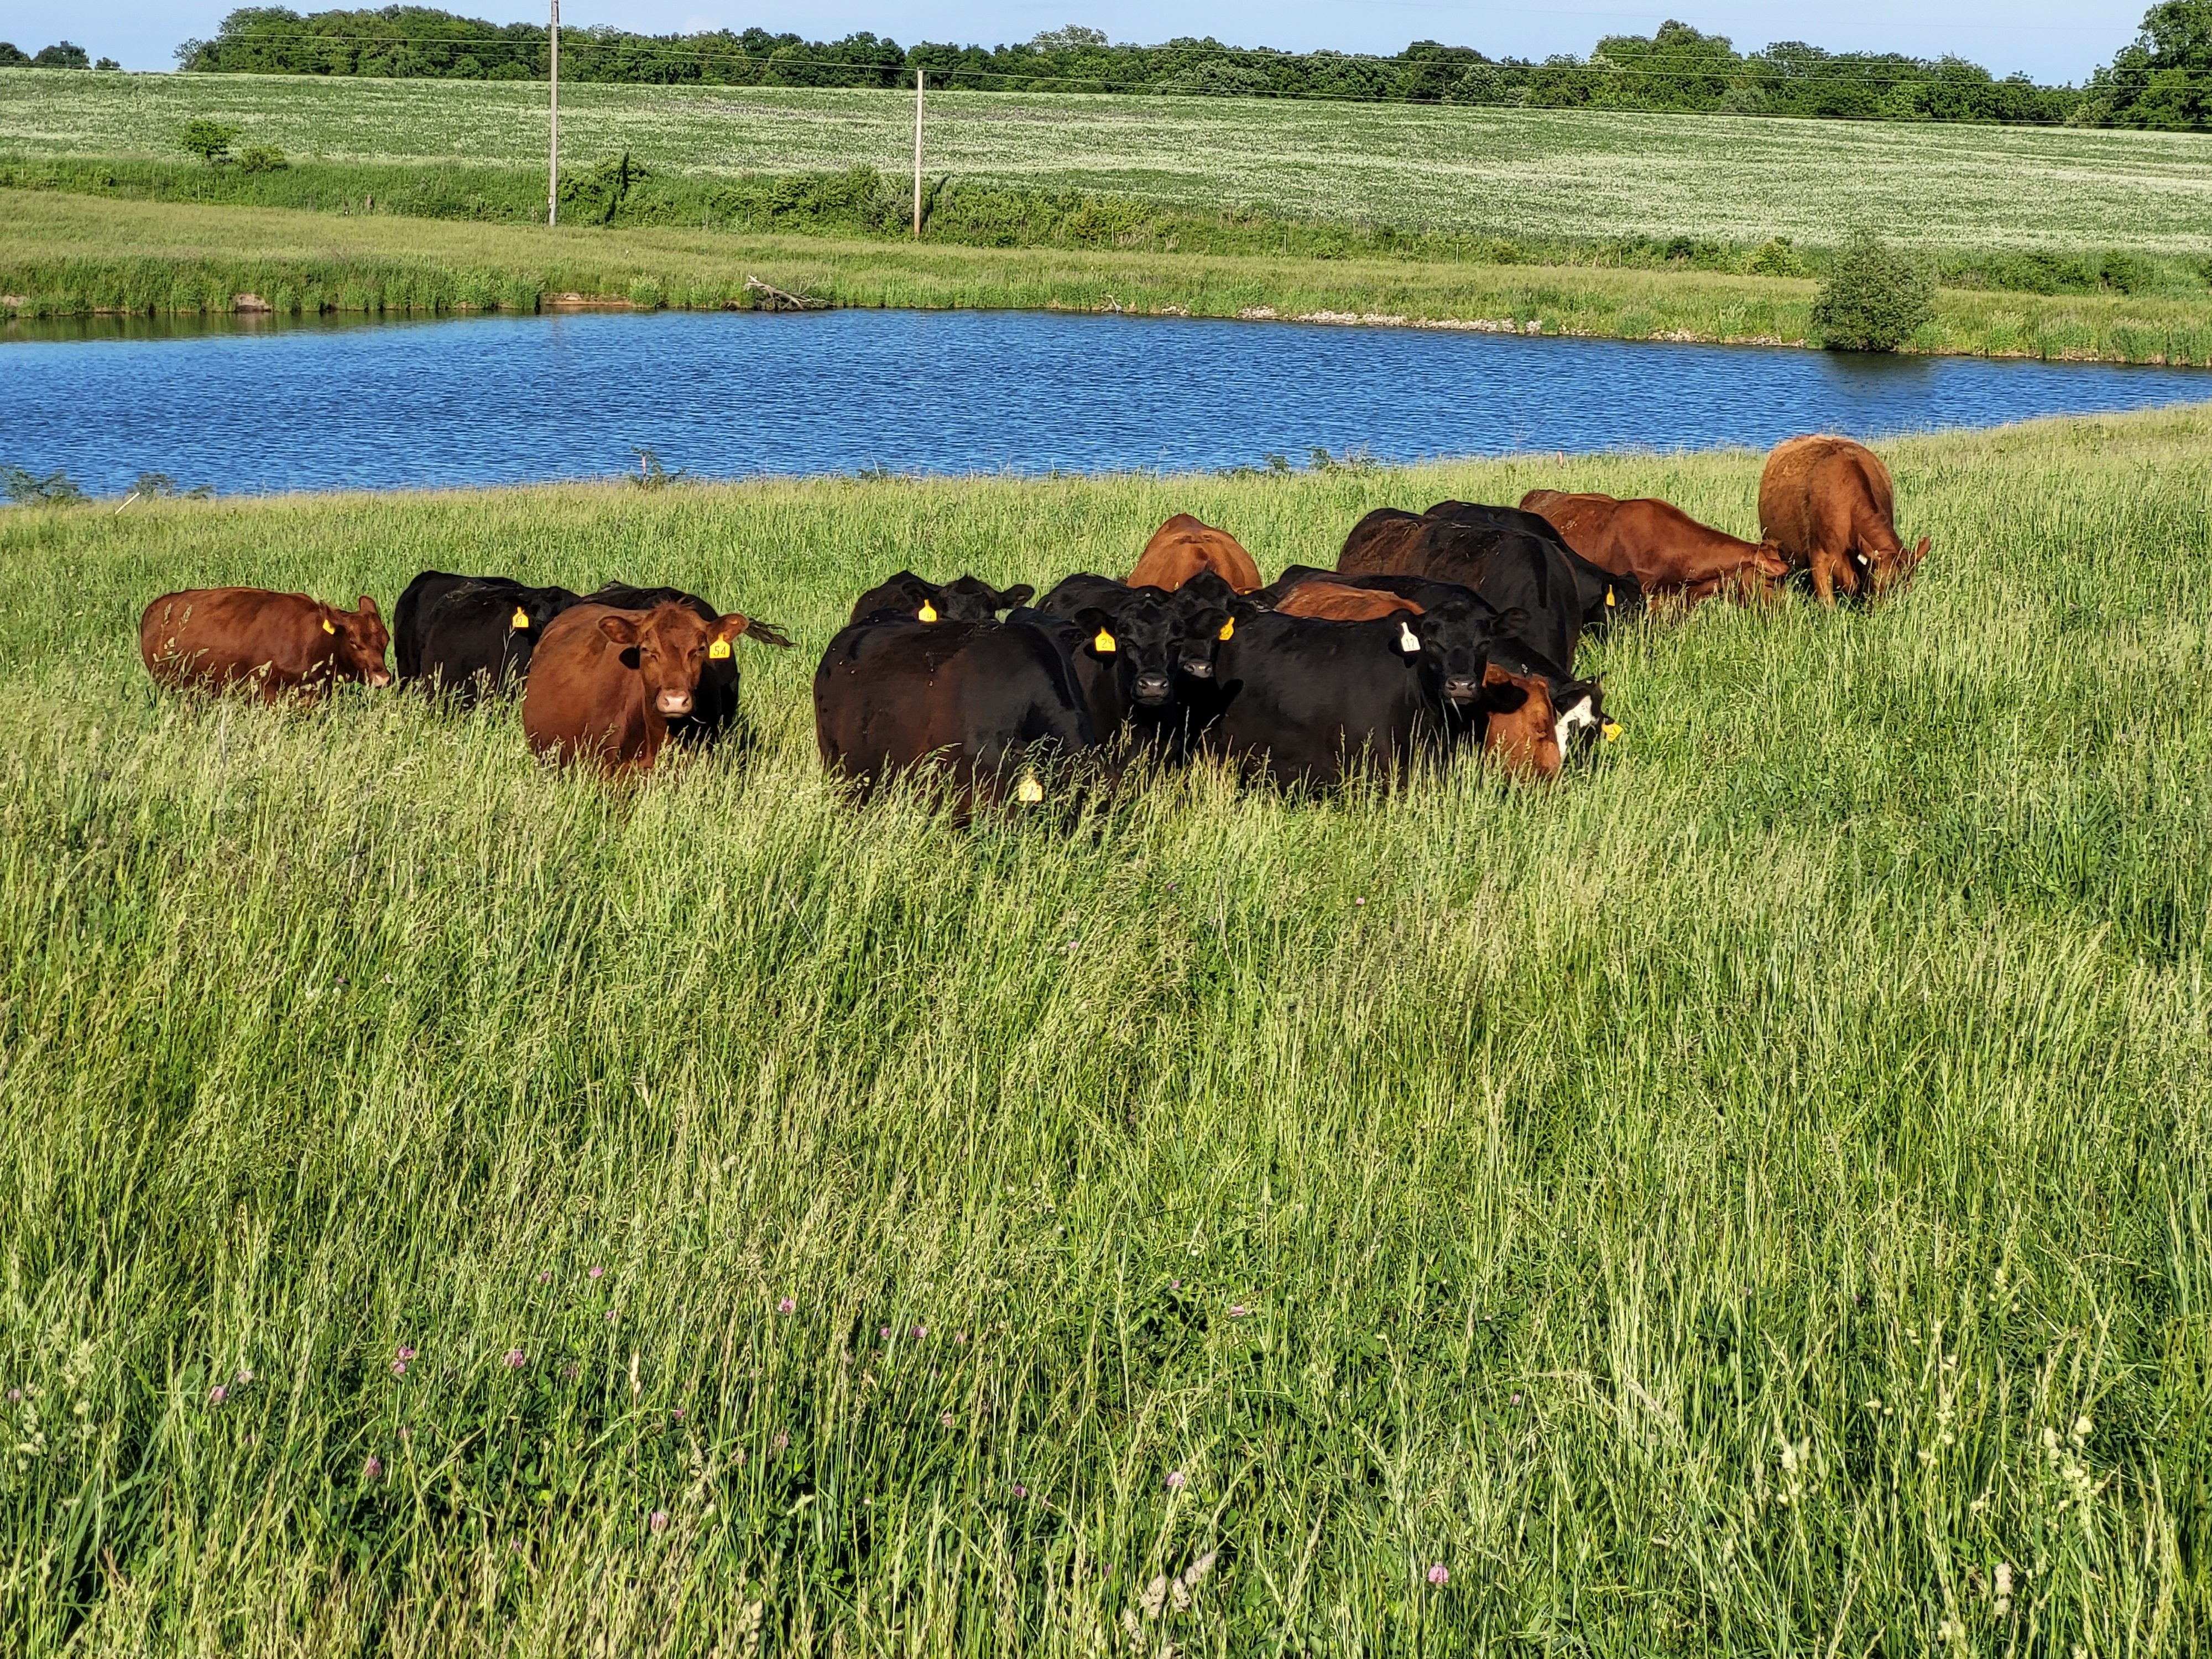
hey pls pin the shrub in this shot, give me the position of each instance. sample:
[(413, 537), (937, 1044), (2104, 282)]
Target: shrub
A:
[(63, 55), (13, 56), (28, 489), (209, 140), (1875, 296), (1775, 256), (2123, 273), (262, 158)]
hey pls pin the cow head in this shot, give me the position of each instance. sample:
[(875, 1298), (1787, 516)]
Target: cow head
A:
[(1142, 641), (536, 606), (1452, 641), (1888, 570), (359, 639), (1201, 606), (1535, 723), (669, 646)]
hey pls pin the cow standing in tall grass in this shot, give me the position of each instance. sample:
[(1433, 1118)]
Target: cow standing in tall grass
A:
[(1828, 504)]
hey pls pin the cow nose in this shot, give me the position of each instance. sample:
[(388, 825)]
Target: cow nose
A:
[(674, 703), (1199, 670), (1152, 687), (379, 676), (1462, 688)]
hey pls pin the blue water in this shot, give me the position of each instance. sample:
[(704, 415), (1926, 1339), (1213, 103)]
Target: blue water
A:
[(503, 399)]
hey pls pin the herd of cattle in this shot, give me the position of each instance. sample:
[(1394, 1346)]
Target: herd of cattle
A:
[(1454, 627)]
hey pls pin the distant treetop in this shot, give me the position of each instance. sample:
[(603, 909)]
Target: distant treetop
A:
[(2164, 80)]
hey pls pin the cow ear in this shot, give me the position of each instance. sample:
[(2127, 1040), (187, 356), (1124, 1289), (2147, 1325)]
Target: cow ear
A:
[(1012, 598), (1510, 622), (1500, 694), (368, 608), (622, 630)]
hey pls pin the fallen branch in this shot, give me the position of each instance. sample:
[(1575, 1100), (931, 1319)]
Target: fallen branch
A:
[(777, 300)]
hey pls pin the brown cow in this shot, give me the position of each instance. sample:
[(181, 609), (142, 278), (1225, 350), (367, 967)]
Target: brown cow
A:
[(1338, 602), (285, 642), (605, 684), (1183, 546), (1824, 500), (1666, 550)]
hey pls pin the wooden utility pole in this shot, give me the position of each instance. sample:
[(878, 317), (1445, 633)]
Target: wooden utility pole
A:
[(553, 146), (919, 75)]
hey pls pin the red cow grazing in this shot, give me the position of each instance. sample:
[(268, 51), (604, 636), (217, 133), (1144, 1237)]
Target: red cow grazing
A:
[(1661, 546), (285, 642), (1338, 602), (603, 684), (1183, 546), (1825, 499)]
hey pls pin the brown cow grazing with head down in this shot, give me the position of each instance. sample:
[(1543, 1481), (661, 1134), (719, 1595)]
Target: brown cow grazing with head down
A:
[(605, 684), (1826, 502), (284, 643), (1666, 550), (1183, 546)]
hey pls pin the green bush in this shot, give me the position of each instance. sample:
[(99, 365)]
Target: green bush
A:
[(208, 139), (1874, 298), (262, 158), (1775, 256)]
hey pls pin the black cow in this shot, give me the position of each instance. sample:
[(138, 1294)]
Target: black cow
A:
[(1316, 700), (918, 598), (472, 635), (1606, 598), (1578, 705), (989, 701), (715, 702), (1155, 672)]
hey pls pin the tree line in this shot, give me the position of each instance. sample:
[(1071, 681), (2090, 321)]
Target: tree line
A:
[(2163, 80)]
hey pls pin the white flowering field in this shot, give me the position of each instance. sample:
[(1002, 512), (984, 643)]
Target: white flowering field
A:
[(1528, 173)]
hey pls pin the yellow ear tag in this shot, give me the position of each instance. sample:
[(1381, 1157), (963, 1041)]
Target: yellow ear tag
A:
[(1612, 730), (1227, 629), (327, 629), (929, 611), (1608, 594), (1030, 791), (519, 621), (1103, 643), (720, 648)]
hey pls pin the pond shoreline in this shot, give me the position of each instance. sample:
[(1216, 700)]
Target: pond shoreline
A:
[(77, 256)]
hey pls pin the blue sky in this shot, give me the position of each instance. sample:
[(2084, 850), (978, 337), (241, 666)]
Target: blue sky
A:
[(2054, 40)]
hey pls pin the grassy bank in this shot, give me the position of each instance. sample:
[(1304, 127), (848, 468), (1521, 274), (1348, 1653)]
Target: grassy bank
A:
[(63, 256), (1520, 174), (1751, 1197)]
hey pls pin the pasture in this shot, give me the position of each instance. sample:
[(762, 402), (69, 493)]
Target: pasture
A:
[(1748, 1197), (1538, 174)]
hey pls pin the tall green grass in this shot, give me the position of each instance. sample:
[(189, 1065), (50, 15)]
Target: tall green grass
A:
[(75, 256), (1748, 1198)]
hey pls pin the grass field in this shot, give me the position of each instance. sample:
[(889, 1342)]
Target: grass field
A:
[(1750, 1198), (1544, 174), (64, 256)]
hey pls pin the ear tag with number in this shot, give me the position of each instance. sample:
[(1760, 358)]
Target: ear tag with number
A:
[(1103, 643), (1612, 730), (327, 629), (929, 611), (1409, 641), (1030, 791), (1227, 629), (720, 648), (519, 621), (1608, 594)]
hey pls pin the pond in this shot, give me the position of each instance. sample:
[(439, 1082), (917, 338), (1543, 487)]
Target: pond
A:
[(505, 399)]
